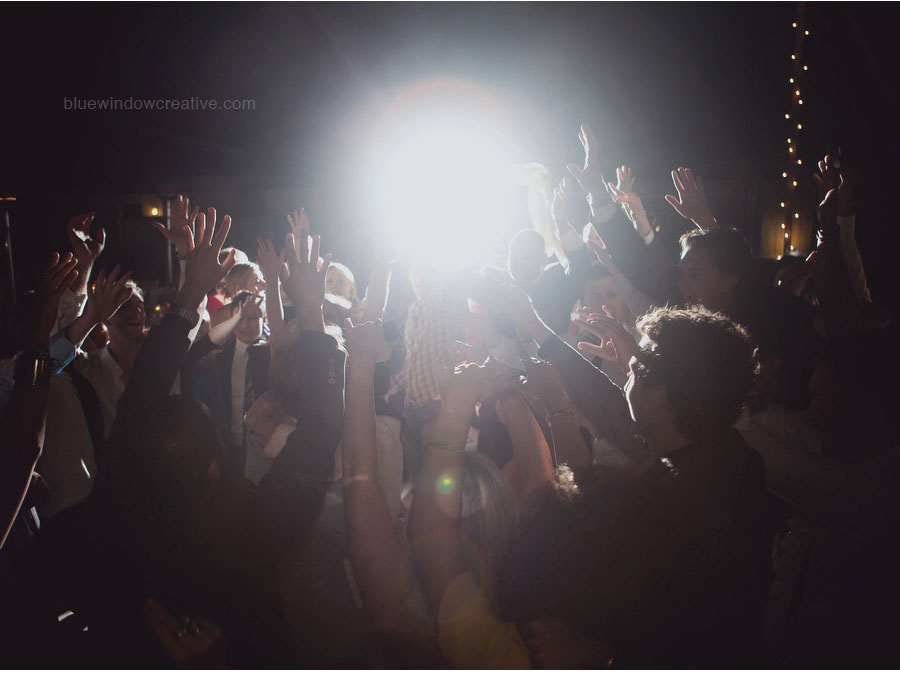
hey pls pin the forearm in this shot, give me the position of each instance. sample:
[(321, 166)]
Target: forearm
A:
[(434, 519), (279, 334), (852, 258), (530, 449), (22, 429), (568, 443), (600, 401), (374, 550), (290, 495)]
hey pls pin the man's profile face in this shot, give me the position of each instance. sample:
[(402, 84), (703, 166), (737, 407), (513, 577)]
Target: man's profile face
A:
[(702, 283)]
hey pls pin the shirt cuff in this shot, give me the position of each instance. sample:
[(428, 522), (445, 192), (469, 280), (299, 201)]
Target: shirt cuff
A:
[(62, 350)]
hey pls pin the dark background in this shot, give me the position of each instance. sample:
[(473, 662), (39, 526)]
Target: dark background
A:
[(702, 85)]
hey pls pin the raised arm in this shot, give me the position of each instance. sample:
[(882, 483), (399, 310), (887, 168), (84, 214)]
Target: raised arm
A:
[(290, 495), (271, 265), (601, 402), (691, 200), (163, 352), (22, 424), (375, 552)]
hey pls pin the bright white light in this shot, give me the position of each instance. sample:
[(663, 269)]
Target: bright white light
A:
[(444, 194), (440, 171)]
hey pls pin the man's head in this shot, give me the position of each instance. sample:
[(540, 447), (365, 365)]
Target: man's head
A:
[(712, 266), (127, 324), (695, 369), (250, 327), (527, 256), (598, 291)]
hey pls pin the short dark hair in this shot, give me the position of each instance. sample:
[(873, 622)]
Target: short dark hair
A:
[(728, 251), (705, 361)]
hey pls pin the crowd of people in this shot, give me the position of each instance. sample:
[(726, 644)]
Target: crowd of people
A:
[(615, 455)]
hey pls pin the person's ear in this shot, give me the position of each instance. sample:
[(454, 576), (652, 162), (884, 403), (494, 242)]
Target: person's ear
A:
[(214, 471)]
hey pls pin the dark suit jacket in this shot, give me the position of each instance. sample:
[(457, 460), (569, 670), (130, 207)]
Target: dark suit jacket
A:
[(206, 377)]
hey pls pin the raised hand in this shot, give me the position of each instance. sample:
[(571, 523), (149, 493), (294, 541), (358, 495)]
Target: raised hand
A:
[(691, 200), (59, 275), (617, 343), (563, 194), (828, 178), (85, 247), (303, 275), (269, 262), (299, 223), (624, 195), (203, 269), (107, 294), (624, 180), (590, 176), (182, 217)]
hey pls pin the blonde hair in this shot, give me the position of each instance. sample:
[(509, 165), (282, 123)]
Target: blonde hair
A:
[(488, 514), (238, 278)]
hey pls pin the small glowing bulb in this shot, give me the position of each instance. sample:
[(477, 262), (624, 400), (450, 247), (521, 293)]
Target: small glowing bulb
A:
[(799, 126), (778, 258), (799, 161), (154, 211), (794, 183), (793, 57), (791, 80), (157, 308), (784, 174), (792, 248), (789, 141), (796, 215), (783, 226), (796, 92), (790, 149), (806, 32), (805, 67), (794, 25), (787, 116), (782, 204), (787, 236), (800, 101)]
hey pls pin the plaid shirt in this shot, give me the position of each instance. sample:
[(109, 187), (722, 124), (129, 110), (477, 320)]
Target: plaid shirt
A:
[(434, 322)]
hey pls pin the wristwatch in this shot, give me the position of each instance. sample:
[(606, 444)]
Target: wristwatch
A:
[(189, 315)]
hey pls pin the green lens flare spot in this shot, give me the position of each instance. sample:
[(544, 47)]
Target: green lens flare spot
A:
[(445, 484)]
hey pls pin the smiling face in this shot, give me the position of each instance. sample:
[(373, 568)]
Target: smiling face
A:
[(337, 283), (127, 325), (250, 326)]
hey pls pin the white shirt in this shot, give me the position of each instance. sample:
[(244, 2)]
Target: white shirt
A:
[(238, 384), (105, 375)]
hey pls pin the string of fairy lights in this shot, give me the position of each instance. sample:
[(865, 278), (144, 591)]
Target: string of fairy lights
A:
[(789, 212)]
